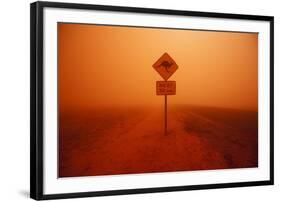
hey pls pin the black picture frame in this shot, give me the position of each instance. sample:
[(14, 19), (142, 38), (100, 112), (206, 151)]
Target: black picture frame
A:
[(36, 98)]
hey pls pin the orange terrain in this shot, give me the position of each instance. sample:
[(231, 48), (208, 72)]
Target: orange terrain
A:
[(131, 140)]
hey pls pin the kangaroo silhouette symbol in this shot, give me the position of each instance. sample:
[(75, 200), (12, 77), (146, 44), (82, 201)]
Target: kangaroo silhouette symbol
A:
[(166, 65)]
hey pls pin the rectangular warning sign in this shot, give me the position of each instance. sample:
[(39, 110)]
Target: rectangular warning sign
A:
[(165, 87)]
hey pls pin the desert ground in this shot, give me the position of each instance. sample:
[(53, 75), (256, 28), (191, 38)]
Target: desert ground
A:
[(129, 140)]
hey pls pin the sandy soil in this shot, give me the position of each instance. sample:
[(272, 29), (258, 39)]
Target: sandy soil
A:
[(122, 141)]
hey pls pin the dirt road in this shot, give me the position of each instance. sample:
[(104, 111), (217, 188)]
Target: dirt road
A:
[(119, 142)]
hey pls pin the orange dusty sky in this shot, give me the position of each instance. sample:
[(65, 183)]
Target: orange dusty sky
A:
[(112, 65)]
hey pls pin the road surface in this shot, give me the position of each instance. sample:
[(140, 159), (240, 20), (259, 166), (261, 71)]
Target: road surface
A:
[(133, 141)]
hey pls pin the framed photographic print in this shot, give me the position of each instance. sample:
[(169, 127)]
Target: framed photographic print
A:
[(129, 100)]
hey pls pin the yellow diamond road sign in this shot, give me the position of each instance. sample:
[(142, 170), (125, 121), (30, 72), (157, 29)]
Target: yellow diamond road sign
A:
[(165, 66)]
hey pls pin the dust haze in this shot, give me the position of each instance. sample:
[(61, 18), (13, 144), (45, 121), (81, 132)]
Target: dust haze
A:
[(112, 122), (112, 66)]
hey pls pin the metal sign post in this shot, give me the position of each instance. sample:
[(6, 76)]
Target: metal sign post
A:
[(166, 67), (165, 118)]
